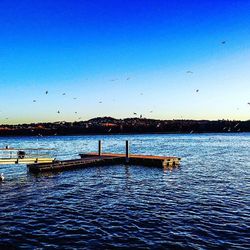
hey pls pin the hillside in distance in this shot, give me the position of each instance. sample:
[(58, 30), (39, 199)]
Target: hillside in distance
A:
[(109, 125)]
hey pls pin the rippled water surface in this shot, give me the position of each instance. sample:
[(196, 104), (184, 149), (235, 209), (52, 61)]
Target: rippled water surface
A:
[(204, 204)]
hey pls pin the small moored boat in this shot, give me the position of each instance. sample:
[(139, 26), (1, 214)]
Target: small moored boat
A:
[(10, 155)]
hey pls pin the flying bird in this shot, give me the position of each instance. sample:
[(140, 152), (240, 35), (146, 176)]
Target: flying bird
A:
[(46, 92), (135, 113), (64, 94), (236, 125), (100, 101), (128, 78), (223, 42), (197, 90), (34, 100), (58, 112), (189, 72)]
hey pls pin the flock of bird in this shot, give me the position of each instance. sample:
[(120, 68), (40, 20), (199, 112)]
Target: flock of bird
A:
[(127, 78), (116, 79), (58, 112), (75, 98)]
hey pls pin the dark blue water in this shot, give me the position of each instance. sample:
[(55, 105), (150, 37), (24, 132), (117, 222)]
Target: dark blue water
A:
[(204, 204)]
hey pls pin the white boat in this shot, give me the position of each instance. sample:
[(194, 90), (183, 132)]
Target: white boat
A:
[(25, 155)]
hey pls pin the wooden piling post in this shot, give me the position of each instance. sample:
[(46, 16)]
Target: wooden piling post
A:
[(127, 151), (99, 147)]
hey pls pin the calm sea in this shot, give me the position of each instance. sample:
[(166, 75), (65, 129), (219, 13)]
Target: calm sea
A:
[(203, 204)]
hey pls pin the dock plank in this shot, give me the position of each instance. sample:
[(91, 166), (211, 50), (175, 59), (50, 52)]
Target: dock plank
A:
[(131, 156)]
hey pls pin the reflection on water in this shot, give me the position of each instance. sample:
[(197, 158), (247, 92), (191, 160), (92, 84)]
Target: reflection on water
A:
[(204, 203)]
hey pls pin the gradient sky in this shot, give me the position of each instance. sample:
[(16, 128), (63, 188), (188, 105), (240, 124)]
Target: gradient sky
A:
[(88, 49)]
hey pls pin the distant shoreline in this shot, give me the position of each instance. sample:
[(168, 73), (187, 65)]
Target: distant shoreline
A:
[(112, 126)]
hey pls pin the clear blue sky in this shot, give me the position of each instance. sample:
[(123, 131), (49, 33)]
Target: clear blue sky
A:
[(130, 55)]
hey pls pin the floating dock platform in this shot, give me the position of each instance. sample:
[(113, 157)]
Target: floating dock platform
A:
[(104, 159)]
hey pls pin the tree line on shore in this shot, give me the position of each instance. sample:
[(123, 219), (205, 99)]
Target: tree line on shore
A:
[(109, 125)]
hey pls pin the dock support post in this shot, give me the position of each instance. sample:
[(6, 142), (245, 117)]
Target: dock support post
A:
[(99, 147), (127, 151)]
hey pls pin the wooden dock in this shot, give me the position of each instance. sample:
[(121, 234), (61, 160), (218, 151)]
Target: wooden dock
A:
[(139, 159), (104, 159)]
